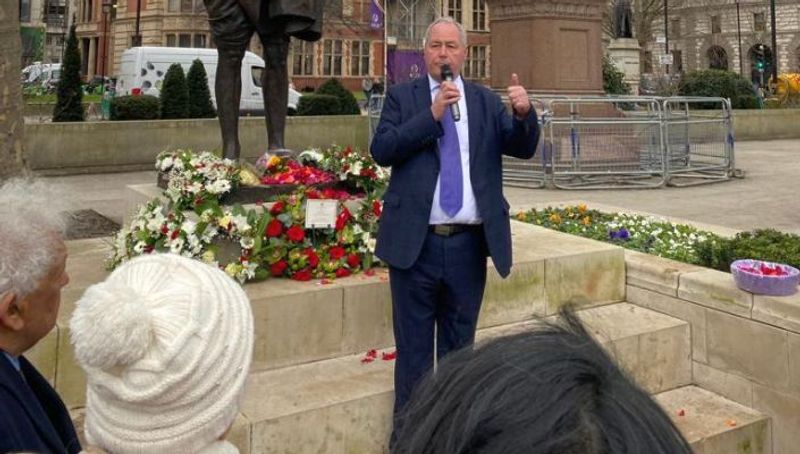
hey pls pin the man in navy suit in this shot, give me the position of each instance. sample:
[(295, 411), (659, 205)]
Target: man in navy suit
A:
[(32, 273), (444, 209)]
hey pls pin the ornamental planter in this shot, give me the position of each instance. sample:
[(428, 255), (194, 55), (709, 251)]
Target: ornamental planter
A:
[(765, 278)]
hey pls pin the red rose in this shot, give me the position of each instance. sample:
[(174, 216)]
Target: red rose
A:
[(313, 258), (376, 208), (343, 218), (336, 252), (353, 260), (342, 272), (277, 268), (274, 228), (296, 233), (164, 229), (302, 275), (277, 208)]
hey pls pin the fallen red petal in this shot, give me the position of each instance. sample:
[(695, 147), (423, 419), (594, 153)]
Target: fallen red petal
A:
[(389, 356)]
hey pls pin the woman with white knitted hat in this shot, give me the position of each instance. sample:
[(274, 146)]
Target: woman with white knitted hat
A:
[(166, 343)]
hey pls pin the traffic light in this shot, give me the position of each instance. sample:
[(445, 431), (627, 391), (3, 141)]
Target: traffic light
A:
[(760, 65)]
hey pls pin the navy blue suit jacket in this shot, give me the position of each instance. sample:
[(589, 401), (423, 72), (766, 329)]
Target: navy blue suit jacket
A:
[(32, 416), (406, 140)]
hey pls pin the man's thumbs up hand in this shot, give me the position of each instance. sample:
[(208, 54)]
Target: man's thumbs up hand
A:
[(518, 98)]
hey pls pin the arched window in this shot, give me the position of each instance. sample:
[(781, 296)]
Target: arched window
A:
[(717, 58)]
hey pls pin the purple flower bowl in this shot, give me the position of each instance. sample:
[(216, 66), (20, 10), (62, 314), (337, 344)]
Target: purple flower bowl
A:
[(765, 285)]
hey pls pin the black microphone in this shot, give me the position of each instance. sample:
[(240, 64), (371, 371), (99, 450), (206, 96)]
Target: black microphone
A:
[(447, 74)]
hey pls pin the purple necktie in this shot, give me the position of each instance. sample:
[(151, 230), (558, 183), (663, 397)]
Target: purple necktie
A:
[(451, 184)]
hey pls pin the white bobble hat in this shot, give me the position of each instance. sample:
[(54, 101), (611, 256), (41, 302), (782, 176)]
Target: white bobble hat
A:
[(166, 343)]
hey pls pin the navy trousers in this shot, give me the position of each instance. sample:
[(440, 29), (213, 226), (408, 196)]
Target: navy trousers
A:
[(444, 288)]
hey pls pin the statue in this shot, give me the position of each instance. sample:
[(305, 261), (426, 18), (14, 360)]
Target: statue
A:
[(622, 19), (233, 23)]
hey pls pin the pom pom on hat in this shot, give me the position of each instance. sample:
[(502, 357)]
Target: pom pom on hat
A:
[(111, 326)]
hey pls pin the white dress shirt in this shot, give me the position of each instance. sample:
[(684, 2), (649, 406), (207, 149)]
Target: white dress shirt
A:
[(468, 214)]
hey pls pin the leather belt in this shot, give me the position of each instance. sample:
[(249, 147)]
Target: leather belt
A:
[(452, 229)]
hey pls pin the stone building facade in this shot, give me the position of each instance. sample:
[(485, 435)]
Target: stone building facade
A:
[(705, 34), (44, 25)]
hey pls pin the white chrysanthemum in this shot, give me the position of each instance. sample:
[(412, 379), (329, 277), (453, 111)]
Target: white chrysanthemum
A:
[(247, 242)]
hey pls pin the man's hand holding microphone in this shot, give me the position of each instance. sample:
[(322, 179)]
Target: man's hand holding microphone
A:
[(449, 96)]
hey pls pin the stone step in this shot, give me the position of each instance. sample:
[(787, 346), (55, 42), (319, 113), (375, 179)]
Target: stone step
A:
[(301, 322), (715, 425), (344, 405)]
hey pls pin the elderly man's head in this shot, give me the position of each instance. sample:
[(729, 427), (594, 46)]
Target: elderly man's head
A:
[(32, 263)]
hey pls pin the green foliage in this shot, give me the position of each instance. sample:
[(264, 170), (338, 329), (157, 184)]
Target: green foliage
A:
[(614, 79), (70, 93), (200, 105), (174, 94), (347, 102), (134, 108), (318, 105), (722, 84), (769, 245)]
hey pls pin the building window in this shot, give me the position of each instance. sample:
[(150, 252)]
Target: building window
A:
[(675, 28), (24, 10), (359, 58), (677, 61), (302, 58), (476, 63), (184, 40), (759, 22), (717, 58), (172, 40), (454, 9), (716, 24), (332, 57), (174, 6), (479, 14), (200, 41), (647, 64), (199, 6)]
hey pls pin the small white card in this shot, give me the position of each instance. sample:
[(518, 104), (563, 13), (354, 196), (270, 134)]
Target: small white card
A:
[(321, 213)]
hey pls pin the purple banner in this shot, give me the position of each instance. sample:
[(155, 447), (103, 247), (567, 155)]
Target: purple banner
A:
[(375, 15), (405, 65)]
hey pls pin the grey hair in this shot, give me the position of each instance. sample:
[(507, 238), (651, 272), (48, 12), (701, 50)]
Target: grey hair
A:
[(462, 34), (31, 223)]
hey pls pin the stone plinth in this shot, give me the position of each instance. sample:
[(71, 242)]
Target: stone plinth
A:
[(554, 46), (625, 54)]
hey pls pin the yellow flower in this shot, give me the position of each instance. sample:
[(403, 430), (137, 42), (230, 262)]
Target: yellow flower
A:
[(208, 257), (225, 222), (233, 269), (521, 216), (582, 208), (555, 218), (273, 161), (586, 220)]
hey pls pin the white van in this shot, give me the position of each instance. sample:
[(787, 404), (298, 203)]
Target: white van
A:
[(143, 69), (44, 74)]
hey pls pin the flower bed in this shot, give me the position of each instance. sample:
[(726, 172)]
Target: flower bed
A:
[(665, 239), (269, 239)]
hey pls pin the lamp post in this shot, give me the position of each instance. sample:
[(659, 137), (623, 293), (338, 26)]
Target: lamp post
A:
[(106, 12), (774, 44), (739, 35), (137, 37), (666, 33)]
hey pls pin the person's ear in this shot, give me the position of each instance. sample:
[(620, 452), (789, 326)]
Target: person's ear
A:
[(10, 313)]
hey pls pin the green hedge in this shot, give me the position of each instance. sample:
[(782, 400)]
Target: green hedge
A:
[(719, 83), (767, 244), (318, 105), (135, 108), (347, 102)]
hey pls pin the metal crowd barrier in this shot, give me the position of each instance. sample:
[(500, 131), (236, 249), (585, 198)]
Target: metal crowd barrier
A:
[(700, 144), (605, 142)]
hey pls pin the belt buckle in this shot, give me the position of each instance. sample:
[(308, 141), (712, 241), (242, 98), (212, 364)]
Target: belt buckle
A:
[(443, 229)]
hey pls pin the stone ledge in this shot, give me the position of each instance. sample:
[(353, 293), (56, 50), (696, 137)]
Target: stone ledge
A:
[(655, 273), (781, 311), (715, 289)]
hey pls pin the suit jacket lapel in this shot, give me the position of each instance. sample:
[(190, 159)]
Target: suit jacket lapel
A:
[(422, 93), (30, 402), (475, 116)]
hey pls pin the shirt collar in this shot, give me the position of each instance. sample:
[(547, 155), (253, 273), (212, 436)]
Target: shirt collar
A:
[(434, 84), (14, 361)]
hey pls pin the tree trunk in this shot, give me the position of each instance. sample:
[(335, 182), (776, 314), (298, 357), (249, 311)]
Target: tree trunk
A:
[(11, 123)]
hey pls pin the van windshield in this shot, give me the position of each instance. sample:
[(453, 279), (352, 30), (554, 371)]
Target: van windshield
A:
[(257, 72)]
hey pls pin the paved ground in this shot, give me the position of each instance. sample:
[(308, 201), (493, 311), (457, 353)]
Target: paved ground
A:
[(768, 196)]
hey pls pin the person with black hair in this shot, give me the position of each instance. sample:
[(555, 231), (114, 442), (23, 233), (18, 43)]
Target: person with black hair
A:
[(550, 390)]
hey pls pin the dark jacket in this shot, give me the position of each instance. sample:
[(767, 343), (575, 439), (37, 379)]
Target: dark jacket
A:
[(32, 416), (406, 140)]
